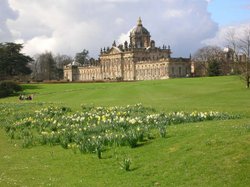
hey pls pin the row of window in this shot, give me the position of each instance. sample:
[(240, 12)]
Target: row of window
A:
[(89, 71), (149, 68), (145, 72)]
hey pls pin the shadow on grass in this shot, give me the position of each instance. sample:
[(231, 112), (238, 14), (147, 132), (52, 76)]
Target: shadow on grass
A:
[(30, 87), (133, 169), (106, 157), (144, 143)]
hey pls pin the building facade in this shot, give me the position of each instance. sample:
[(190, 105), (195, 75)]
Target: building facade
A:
[(139, 59)]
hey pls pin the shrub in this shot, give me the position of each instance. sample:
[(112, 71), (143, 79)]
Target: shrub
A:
[(8, 88)]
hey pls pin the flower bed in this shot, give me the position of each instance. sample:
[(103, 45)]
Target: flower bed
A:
[(94, 128)]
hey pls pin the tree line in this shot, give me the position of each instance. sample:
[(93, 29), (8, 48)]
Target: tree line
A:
[(14, 65)]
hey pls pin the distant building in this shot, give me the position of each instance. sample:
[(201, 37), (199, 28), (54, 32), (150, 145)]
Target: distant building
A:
[(229, 63), (139, 59), (236, 62)]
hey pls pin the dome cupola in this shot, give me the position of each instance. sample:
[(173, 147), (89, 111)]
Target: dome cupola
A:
[(139, 36)]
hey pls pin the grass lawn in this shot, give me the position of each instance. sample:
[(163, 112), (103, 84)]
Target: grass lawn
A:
[(211, 153)]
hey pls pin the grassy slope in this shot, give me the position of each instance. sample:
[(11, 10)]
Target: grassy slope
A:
[(201, 154), (219, 93)]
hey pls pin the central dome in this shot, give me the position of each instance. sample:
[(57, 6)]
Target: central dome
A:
[(139, 36), (139, 29)]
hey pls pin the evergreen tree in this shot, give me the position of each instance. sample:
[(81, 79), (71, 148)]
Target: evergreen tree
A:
[(214, 68), (12, 61), (82, 57)]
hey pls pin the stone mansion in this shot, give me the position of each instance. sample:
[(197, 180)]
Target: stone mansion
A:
[(139, 59)]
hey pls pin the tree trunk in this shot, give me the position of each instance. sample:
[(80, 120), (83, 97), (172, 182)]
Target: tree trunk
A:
[(248, 81)]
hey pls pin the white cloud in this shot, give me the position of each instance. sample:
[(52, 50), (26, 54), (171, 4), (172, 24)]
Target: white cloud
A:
[(221, 36), (173, 14), (124, 37), (6, 14), (119, 21), (69, 26), (39, 45)]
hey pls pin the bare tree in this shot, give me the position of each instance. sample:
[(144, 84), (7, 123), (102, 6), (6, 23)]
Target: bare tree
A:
[(44, 67), (206, 58), (62, 60), (35, 68), (245, 48), (239, 42)]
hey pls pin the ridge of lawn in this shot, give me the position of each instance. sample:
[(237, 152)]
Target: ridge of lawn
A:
[(212, 153), (211, 93)]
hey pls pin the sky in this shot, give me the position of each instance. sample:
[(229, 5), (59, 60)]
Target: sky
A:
[(69, 26)]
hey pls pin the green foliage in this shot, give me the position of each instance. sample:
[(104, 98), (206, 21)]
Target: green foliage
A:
[(82, 57), (8, 88), (12, 61), (214, 68)]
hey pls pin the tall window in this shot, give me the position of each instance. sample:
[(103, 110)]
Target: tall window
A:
[(180, 71)]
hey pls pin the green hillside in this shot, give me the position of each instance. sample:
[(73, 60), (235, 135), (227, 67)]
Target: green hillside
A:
[(217, 93), (209, 153)]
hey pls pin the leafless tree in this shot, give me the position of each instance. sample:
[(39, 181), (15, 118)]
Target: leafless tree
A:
[(62, 60), (239, 42), (205, 56), (44, 67)]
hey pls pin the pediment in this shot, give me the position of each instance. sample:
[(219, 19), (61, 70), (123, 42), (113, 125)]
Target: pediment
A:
[(114, 50)]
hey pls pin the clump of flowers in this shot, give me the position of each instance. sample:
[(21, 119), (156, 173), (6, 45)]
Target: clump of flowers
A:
[(94, 128), (125, 164)]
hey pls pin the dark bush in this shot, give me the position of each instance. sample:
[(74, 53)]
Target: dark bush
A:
[(8, 88), (214, 68)]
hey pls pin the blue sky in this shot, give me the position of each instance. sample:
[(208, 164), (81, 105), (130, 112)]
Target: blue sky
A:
[(227, 12), (69, 26)]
